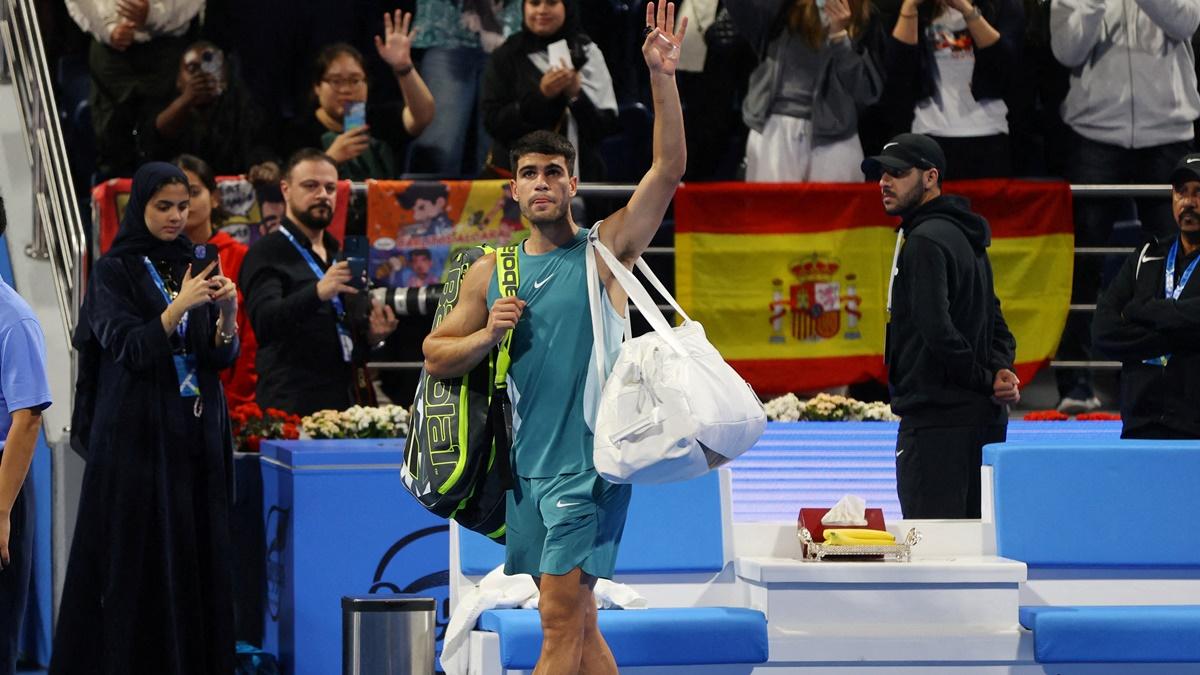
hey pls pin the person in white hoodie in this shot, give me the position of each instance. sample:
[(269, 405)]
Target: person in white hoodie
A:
[(1132, 103)]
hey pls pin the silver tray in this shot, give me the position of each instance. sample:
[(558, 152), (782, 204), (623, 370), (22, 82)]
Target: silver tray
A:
[(901, 551)]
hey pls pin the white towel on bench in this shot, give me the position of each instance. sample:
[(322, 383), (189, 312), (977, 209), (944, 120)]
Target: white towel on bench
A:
[(500, 591)]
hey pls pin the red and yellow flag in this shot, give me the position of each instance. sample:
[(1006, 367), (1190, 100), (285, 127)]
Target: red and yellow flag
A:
[(790, 280)]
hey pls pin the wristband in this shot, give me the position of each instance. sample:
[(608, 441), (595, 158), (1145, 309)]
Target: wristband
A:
[(833, 37), (404, 71), (975, 13)]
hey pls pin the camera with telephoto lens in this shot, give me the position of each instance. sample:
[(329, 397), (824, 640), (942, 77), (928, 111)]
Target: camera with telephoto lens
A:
[(418, 301)]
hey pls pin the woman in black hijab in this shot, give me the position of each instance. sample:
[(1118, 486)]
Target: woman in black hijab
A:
[(526, 88), (148, 582)]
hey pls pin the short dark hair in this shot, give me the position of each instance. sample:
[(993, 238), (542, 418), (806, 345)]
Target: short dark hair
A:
[(306, 155), (542, 142), (3, 217), (422, 252)]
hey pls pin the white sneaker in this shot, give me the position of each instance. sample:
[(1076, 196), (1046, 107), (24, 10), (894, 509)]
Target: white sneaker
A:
[(1075, 406)]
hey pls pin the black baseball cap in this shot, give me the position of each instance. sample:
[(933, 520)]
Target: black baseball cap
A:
[(1187, 169), (906, 151)]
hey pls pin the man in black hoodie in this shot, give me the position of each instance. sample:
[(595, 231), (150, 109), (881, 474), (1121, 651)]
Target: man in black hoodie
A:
[(1149, 319), (949, 351)]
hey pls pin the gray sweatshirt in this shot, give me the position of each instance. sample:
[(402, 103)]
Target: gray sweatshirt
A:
[(1133, 77)]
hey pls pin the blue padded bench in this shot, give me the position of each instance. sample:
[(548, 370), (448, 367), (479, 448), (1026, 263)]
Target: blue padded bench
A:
[(674, 533), (645, 637), (1123, 511)]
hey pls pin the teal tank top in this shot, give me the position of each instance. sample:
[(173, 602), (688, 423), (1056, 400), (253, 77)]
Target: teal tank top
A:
[(552, 381)]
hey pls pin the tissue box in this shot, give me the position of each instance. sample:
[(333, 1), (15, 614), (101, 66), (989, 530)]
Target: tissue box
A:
[(810, 519)]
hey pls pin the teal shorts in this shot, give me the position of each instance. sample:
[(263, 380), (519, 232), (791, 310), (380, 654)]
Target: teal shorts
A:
[(559, 523)]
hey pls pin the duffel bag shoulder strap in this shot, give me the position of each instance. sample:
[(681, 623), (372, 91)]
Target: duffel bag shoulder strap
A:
[(637, 293), (508, 279)]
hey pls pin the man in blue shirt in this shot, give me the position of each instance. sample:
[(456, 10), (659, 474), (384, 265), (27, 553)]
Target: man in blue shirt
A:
[(24, 394), (563, 521)]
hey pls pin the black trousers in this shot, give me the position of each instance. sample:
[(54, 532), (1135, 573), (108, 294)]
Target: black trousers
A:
[(14, 579), (937, 469)]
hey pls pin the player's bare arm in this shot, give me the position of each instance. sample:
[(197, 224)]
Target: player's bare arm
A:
[(628, 231), (470, 330)]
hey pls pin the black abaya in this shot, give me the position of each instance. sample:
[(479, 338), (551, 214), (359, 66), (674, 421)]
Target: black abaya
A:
[(149, 577)]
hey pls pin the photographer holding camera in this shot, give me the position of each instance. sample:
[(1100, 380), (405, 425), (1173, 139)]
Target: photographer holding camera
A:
[(314, 327), (212, 116)]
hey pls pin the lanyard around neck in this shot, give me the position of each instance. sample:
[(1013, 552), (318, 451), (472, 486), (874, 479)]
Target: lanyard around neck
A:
[(312, 263), (162, 287), (1173, 291)]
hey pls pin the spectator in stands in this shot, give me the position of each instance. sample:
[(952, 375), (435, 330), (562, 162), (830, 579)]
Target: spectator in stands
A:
[(1149, 318), (456, 38), (950, 64), (148, 584), (133, 58), (377, 148), (949, 351), (213, 115), (24, 394), (803, 99), (525, 91), (314, 329), (1131, 105), (202, 222)]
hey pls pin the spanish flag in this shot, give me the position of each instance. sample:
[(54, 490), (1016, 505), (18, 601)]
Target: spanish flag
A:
[(790, 280)]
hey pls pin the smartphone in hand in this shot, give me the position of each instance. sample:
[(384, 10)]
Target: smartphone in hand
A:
[(355, 250), (355, 115), (202, 256)]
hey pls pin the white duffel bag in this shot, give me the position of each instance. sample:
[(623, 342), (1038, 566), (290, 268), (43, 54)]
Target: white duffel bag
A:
[(672, 408)]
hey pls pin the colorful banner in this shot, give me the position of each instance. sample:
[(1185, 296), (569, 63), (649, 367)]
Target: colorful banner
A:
[(415, 226), (249, 212), (790, 280)]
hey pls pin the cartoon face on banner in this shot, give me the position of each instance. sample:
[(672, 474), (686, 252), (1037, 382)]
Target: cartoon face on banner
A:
[(415, 226)]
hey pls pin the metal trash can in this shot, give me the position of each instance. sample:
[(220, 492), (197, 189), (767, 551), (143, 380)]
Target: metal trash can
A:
[(387, 635)]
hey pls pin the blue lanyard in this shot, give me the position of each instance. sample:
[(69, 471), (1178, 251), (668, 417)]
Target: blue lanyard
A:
[(1174, 292), (158, 281), (337, 299)]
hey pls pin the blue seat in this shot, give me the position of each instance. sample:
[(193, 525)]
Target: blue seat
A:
[(1120, 634), (645, 637), (674, 534), (1118, 510)]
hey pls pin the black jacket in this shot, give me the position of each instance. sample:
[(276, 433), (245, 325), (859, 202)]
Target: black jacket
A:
[(299, 362), (1134, 321), (512, 105), (947, 336)]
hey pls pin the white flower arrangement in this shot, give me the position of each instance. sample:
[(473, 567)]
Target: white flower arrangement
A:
[(386, 421), (827, 408)]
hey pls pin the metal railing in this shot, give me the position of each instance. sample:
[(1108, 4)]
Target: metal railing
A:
[(58, 234), (1086, 191)]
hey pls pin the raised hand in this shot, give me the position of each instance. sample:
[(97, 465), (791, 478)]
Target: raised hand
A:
[(838, 13), (395, 47), (194, 291), (134, 11), (200, 88), (121, 36), (350, 144), (336, 280), (383, 321), (661, 48), (555, 81), (224, 293)]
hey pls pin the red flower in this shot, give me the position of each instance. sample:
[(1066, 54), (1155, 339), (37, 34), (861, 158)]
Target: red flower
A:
[(1045, 416), (1098, 417), (252, 443), (290, 432)]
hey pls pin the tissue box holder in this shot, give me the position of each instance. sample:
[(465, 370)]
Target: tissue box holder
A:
[(811, 532)]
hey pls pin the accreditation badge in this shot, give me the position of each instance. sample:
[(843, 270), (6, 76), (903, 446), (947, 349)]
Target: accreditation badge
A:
[(189, 378)]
